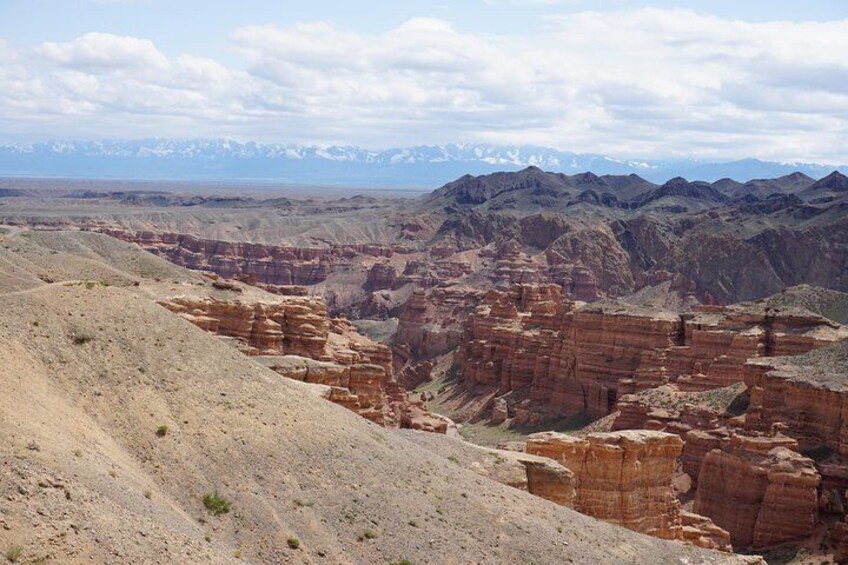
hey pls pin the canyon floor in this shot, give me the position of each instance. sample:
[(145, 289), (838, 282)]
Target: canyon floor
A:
[(517, 368)]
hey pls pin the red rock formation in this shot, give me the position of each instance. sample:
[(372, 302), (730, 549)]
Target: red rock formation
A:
[(571, 358), (551, 481), (626, 478), (304, 344), (431, 322), (810, 403), (381, 276), (763, 498), (807, 397), (289, 326), (264, 264)]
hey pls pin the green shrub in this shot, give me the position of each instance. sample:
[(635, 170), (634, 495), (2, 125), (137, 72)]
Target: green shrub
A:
[(293, 542), (162, 431), (216, 504), (14, 552)]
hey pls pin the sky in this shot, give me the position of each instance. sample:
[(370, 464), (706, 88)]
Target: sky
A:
[(628, 78)]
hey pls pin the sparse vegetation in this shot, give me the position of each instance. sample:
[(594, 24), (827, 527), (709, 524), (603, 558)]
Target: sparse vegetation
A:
[(77, 452), (14, 552), (293, 542), (402, 562), (33, 446), (369, 534), (113, 473), (453, 459), (148, 494), (208, 537), (82, 339), (162, 431), (300, 503), (216, 504)]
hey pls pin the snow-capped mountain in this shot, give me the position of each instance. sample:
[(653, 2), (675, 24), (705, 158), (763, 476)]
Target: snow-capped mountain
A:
[(420, 166)]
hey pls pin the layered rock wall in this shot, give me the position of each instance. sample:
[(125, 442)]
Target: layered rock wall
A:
[(263, 264), (626, 478), (762, 498), (571, 358)]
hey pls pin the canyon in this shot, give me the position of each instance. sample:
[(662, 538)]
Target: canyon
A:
[(665, 358)]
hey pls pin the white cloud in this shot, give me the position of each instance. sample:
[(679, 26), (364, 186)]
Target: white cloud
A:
[(645, 82), (105, 50)]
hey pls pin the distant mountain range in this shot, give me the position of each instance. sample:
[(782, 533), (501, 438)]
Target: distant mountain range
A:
[(421, 166)]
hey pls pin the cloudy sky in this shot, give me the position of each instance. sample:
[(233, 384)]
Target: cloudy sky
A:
[(630, 78)]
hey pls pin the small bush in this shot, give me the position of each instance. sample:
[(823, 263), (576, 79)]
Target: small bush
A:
[(81, 338), (208, 537), (148, 494), (162, 431), (300, 503), (369, 534), (216, 504), (14, 552), (113, 473), (293, 542)]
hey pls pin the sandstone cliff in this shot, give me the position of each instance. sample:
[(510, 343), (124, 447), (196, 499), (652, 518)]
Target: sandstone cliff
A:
[(571, 358), (258, 263), (626, 478), (762, 495)]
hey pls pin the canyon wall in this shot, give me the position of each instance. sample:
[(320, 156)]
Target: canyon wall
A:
[(626, 478), (567, 358), (253, 262), (761, 494)]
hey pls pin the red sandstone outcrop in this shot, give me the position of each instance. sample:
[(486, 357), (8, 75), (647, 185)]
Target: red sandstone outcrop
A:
[(626, 478), (551, 481), (264, 264), (381, 276), (762, 495), (302, 343), (571, 358), (290, 326), (809, 398), (431, 322)]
